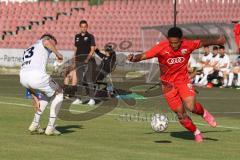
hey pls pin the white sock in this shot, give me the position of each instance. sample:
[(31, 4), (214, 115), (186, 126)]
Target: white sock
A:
[(238, 79), (54, 109), (230, 79), (197, 132), (197, 77), (204, 80), (225, 82), (37, 115), (51, 122)]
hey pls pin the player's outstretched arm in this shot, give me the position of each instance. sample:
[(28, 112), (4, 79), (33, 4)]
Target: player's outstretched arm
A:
[(213, 41), (136, 58), (48, 44)]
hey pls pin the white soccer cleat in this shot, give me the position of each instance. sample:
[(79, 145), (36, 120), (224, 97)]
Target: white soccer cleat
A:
[(51, 131), (77, 101), (91, 102), (33, 128)]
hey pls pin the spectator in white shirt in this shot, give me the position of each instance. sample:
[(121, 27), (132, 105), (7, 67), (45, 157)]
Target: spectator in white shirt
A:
[(235, 71), (209, 66), (223, 65)]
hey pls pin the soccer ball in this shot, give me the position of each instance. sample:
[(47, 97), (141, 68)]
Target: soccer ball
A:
[(159, 122)]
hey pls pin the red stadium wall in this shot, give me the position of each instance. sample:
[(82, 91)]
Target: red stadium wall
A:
[(114, 21)]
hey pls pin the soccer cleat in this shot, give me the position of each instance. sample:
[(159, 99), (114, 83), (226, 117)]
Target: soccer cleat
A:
[(77, 101), (222, 87), (198, 138), (33, 128), (209, 85), (209, 119), (91, 102), (238, 88), (51, 131)]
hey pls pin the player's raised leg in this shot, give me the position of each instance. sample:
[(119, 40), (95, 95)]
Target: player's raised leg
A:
[(175, 103), (197, 108), (187, 122)]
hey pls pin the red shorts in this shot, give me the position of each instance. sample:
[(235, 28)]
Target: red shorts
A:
[(178, 92)]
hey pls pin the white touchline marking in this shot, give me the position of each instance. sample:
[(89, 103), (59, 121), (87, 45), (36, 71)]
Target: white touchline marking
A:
[(218, 126), (111, 114), (237, 112), (17, 104), (218, 98), (13, 97), (226, 112), (160, 97)]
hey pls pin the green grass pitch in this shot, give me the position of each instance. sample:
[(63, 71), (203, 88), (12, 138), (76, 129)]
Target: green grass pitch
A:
[(122, 134)]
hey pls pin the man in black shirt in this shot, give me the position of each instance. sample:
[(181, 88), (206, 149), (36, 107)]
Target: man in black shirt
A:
[(84, 61), (107, 63)]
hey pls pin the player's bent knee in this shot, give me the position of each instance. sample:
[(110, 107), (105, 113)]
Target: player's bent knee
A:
[(59, 96), (182, 116), (190, 107)]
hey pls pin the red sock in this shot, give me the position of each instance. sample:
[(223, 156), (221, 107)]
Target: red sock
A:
[(188, 124), (198, 109)]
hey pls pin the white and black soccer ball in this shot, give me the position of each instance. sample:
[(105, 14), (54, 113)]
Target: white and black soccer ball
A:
[(159, 122)]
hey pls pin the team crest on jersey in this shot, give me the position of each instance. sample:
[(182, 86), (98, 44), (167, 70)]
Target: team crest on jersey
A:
[(190, 86), (166, 52), (85, 38), (184, 51)]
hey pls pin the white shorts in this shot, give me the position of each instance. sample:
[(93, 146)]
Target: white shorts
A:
[(207, 70), (39, 81), (222, 71)]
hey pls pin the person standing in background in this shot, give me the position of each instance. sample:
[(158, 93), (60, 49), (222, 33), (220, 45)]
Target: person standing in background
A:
[(84, 61), (237, 35)]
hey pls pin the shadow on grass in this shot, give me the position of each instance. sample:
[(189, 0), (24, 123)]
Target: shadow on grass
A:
[(228, 130), (189, 136), (68, 128), (157, 132), (163, 141)]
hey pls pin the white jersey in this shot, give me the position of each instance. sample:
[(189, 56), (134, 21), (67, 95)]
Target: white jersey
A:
[(192, 62), (206, 58), (214, 60), (224, 60), (35, 58)]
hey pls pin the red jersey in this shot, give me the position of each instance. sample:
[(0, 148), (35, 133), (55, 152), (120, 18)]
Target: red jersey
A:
[(173, 64), (237, 34)]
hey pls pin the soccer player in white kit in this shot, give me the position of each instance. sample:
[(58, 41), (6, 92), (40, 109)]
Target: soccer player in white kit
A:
[(223, 65), (204, 63), (33, 76), (235, 71), (210, 61)]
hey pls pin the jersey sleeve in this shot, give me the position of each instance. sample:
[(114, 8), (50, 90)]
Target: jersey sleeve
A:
[(101, 55), (194, 44), (226, 60), (153, 52)]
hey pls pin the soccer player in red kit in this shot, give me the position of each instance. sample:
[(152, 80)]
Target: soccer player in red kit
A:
[(174, 54), (237, 35)]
